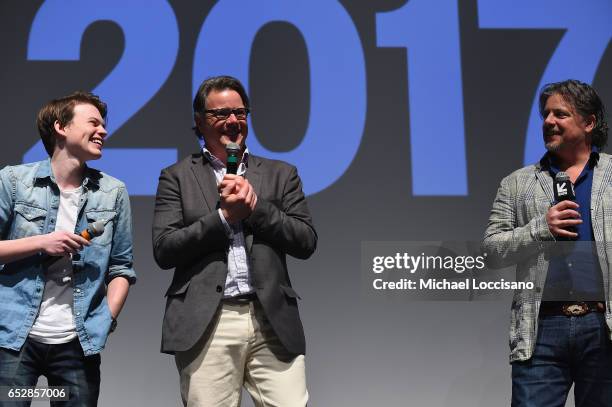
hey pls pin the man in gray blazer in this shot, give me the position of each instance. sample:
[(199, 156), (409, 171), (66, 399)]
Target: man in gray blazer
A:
[(231, 314), (560, 330)]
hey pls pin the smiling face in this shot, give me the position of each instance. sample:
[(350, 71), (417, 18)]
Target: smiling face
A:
[(218, 132), (563, 128), (83, 137)]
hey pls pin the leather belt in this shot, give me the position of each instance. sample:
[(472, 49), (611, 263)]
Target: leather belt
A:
[(571, 309), (240, 299)]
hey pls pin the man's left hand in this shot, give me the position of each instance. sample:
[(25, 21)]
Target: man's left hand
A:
[(238, 198)]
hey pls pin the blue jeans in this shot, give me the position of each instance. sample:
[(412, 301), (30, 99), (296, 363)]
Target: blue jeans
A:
[(568, 350), (63, 365)]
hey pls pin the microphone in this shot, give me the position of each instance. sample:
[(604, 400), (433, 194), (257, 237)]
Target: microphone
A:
[(563, 188), (92, 230), (233, 150), (564, 191)]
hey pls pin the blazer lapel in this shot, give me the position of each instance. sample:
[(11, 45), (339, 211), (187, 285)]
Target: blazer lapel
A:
[(206, 180), (544, 179), (253, 174), (602, 174), (601, 179)]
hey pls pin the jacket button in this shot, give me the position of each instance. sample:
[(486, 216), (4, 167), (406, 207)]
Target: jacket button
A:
[(219, 288)]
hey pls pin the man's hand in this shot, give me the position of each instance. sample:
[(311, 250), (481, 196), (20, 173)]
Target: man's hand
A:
[(61, 243), (238, 199), (561, 217)]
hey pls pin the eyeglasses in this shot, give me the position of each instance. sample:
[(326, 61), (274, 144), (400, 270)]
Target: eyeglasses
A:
[(241, 113)]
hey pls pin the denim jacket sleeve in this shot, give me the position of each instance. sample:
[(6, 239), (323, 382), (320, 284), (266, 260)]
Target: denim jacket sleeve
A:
[(121, 259), (6, 201)]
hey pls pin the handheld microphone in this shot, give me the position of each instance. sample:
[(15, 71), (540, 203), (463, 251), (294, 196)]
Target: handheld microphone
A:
[(564, 191), (563, 188), (92, 230), (233, 151)]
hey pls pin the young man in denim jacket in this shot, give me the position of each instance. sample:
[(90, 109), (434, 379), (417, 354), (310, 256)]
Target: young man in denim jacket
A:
[(60, 294)]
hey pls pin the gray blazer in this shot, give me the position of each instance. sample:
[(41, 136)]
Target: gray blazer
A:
[(188, 235), (517, 234)]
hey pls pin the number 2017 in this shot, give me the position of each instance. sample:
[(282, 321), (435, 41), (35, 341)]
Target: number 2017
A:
[(428, 29)]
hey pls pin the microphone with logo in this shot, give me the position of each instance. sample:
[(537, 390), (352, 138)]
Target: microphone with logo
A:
[(233, 152), (564, 191), (94, 229)]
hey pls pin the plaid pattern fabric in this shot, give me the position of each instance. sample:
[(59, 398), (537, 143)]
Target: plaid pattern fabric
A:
[(517, 234)]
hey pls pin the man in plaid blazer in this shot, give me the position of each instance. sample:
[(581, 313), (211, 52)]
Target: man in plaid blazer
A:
[(560, 329)]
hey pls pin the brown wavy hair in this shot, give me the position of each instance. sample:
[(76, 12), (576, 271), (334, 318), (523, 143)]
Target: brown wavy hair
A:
[(62, 111)]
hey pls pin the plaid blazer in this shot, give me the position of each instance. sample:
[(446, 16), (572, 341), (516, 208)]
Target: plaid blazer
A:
[(517, 234)]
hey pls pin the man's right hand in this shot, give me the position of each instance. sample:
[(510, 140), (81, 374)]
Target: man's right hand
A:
[(562, 217), (238, 198), (62, 243)]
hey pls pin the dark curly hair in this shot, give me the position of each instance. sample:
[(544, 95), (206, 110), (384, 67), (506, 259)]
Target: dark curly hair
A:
[(585, 100)]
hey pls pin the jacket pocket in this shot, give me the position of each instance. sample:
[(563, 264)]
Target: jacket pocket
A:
[(29, 220), (289, 292), (178, 288), (106, 217)]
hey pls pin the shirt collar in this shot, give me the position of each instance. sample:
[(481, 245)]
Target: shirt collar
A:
[(44, 171), (218, 164), (547, 160)]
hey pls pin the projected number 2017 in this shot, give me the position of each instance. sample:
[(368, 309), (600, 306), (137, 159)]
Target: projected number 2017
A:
[(428, 29)]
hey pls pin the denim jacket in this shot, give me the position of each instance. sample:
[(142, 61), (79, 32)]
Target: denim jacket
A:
[(29, 200)]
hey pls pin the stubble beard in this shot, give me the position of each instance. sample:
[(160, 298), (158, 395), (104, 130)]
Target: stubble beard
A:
[(553, 147)]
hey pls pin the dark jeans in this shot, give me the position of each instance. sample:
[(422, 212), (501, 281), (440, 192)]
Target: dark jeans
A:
[(568, 350), (63, 365)]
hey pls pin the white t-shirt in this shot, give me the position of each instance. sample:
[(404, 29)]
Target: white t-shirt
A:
[(54, 323)]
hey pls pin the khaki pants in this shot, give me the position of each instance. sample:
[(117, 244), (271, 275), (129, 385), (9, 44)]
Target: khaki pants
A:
[(242, 349)]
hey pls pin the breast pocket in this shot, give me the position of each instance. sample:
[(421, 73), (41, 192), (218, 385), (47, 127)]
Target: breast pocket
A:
[(103, 219), (29, 220)]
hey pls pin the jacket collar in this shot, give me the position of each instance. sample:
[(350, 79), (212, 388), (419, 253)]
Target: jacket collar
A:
[(547, 160), (205, 177), (91, 176)]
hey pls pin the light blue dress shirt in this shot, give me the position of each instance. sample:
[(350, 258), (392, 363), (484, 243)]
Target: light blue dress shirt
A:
[(238, 277)]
